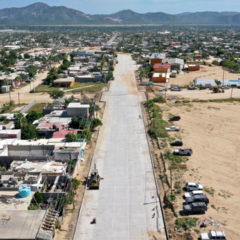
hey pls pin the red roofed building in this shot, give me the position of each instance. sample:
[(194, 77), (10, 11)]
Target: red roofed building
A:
[(162, 68), (63, 132), (54, 130)]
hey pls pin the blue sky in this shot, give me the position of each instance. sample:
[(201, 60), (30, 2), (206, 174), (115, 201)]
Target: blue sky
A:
[(142, 6)]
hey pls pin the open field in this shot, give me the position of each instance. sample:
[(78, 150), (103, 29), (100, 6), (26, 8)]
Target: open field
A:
[(77, 88), (213, 72), (212, 131), (205, 94)]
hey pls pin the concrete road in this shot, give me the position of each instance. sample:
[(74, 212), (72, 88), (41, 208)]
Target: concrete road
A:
[(126, 206), (109, 43)]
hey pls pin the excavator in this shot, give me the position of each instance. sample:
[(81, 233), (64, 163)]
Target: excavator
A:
[(217, 89), (93, 181)]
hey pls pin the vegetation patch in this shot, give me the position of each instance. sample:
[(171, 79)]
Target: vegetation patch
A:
[(186, 223), (157, 125), (175, 161), (209, 190)]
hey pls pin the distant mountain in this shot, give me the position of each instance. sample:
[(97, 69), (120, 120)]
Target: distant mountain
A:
[(42, 14)]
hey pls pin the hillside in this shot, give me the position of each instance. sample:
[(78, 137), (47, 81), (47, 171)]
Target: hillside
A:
[(42, 14)]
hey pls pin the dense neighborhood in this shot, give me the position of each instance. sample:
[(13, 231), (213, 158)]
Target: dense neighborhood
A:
[(66, 98)]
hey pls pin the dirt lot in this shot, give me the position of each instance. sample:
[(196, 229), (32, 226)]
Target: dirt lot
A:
[(212, 131), (213, 72)]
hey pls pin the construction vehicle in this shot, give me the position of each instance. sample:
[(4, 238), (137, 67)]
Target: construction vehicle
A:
[(93, 181), (217, 90)]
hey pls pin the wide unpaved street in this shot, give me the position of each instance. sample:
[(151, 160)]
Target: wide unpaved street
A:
[(126, 206)]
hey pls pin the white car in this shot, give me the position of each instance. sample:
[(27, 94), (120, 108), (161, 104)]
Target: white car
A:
[(193, 193), (218, 235), (191, 186), (172, 128)]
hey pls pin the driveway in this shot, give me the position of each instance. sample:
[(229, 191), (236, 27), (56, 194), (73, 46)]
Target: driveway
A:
[(126, 206)]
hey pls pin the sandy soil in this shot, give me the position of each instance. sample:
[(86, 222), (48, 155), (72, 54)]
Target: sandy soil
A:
[(212, 131), (205, 94), (213, 72)]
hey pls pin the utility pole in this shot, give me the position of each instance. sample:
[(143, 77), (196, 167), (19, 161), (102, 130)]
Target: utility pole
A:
[(231, 92), (223, 77), (10, 96)]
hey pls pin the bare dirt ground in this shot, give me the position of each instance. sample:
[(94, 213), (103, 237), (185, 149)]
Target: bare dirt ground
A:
[(212, 131), (213, 72), (205, 94)]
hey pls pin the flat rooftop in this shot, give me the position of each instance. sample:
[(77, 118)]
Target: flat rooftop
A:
[(20, 224), (77, 105), (9, 201)]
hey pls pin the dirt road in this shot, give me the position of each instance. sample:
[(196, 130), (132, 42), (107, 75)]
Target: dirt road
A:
[(126, 206)]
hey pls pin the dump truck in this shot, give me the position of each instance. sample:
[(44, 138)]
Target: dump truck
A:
[(94, 179)]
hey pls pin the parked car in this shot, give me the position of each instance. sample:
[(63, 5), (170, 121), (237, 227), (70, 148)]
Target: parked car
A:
[(197, 198), (192, 88), (183, 152), (174, 118), (163, 90), (172, 128), (216, 235), (176, 89), (195, 207), (192, 193), (176, 143), (191, 186)]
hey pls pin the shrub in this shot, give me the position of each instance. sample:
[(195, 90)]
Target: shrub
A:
[(33, 207), (186, 223), (71, 137), (38, 197), (95, 123)]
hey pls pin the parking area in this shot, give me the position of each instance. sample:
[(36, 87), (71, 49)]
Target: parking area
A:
[(212, 131)]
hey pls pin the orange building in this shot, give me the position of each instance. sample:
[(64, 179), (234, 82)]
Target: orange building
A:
[(160, 77), (157, 58), (192, 66)]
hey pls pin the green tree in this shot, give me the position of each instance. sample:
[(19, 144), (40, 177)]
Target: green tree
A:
[(56, 93), (32, 71), (85, 134), (52, 75), (26, 55), (19, 121), (74, 123), (95, 123), (33, 115), (71, 137), (28, 131), (218, 83), (38, 197), (109, 76)]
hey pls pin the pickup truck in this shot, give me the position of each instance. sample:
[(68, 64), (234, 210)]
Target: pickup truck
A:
[(216, 235), (195, 207), (192, 193), (191, 186), (197, 198)]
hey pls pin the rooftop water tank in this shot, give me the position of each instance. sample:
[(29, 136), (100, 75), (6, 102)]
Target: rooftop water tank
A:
[(24, 191)]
